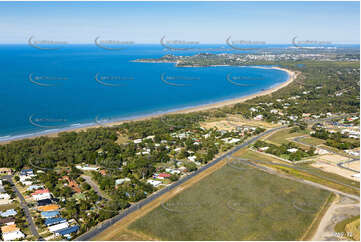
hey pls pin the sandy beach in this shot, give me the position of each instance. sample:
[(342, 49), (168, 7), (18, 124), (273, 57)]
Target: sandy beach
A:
[(292, 76)]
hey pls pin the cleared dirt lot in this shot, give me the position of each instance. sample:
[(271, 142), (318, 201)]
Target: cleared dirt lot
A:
[(331, 158), (353, 165), (335, 169), (233, 121)]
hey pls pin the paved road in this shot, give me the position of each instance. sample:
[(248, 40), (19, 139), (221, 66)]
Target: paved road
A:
[(347, 168), (106, 224), (341, 164), (24, 205), (94, 186)]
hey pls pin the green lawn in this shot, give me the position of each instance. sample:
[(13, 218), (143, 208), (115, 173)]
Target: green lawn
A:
[(283, 136), (236, 204), (312, 141)]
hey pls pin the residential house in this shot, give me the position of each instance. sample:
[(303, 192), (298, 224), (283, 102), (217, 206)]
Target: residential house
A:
[(53, 221), (66, 232), (6, 171), (154, 183), (48, 208), (72, 184), (49, 214), (8, 213), (59, 226), (7, 221)]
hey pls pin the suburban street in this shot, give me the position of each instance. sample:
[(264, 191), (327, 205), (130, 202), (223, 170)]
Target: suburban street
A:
[(341, 164), (94, 186), (24, 205)]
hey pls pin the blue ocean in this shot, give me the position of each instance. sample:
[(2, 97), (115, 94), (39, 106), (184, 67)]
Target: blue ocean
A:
[(43, 91)]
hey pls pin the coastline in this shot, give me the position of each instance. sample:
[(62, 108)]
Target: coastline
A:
[(291, 77)]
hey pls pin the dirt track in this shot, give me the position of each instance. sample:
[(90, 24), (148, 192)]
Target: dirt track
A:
[(342, 208)]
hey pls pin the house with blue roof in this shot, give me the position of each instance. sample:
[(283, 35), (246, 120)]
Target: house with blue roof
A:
[(34, 187), (8, 213), (26, 172), (49, 214), (66, 232), (53, 221)]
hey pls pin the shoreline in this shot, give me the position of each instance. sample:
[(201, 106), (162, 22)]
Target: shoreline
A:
[(291, 77)]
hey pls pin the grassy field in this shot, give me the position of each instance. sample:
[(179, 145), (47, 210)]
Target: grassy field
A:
[(282, 136), (312, 141), (236, 202), (312, 174)]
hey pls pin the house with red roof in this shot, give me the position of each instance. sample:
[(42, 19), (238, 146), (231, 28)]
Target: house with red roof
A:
[(41, 191)]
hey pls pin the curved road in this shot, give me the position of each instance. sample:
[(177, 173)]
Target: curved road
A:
[(106, 224), (341, 164), (273, 172)]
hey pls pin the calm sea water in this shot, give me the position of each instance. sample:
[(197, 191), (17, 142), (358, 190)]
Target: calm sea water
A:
[(44, 91)]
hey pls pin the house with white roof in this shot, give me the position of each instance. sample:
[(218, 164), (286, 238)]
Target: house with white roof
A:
[(154, 183), (57, 227), (137, 141), (42, 196), (122, 180), (11, 236), (192, 158), (292, 150)]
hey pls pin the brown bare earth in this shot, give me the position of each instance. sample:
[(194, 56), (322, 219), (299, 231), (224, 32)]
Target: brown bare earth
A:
[(353, 165), (332, 158), (232, 121), (335, 169)]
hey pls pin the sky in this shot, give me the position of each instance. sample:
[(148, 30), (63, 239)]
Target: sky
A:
[(204, 22)]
